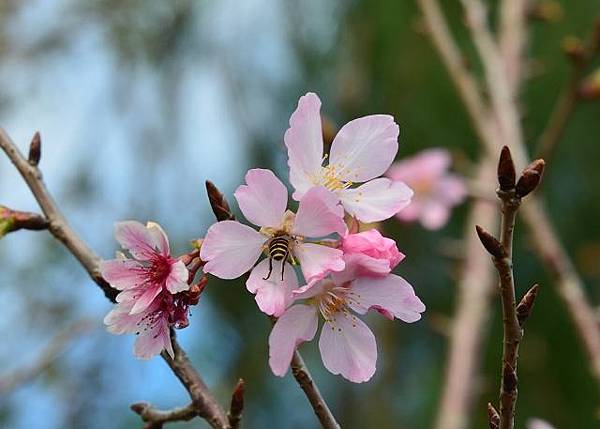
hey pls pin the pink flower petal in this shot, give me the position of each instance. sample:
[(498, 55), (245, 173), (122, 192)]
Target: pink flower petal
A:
[(391, 293), (365, 147), (177, 279), (348, 348), (119, 321), (150, 343), (360, 265), (376, 200), (451, 189), (317, 261), (161, 242), (298, 324), (145, 300), (136, 238), (122, 273), (231, 249), (264, 199), (425, 166), (319, 214), (304, 142), (273, 295), (538, 424)]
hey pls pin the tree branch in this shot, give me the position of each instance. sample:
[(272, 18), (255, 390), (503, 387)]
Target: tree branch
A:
[(306, 382), (14, 220), (206, 405), (156, 418)]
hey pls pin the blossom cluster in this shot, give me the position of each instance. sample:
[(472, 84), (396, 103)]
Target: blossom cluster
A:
[(320, 260)]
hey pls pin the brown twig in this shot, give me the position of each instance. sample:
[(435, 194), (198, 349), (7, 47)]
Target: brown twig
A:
[(156, 418), (206, 405), (234, 416), (14, 220), (510, 195), (468, 326), (46, 358), (306, 382), (512, 39)]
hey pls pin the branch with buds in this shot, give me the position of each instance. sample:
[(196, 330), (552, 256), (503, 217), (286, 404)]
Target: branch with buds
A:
[(513, 315), (203, 402)]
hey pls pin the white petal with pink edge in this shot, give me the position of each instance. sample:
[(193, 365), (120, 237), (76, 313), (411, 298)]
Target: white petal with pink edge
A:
[(123, 273), (304, 142), (161, 242), (376, 200), (231, 249), (364, 148), (136, 238), (317, 261), (178, 277), (273, 295), (319, 214), (298, 324), (348, 348), (391, 293), (263, 199)]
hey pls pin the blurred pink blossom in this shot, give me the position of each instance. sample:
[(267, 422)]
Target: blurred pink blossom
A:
[(232, 248), (538, 424), (362, 151), (346, 343), (436, 190), (149, 272)]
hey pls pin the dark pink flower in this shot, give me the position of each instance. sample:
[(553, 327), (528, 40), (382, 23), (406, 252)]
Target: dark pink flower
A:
[(151, 269), (436, 190), (368, 253)]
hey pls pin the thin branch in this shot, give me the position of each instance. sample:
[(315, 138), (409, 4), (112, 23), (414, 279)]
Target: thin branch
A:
[(206, 405), (14, 220), (474, 293), (501, 93), (306, 382), (156, 418), (57, 224), (512, 39), (464, 81), (46, 358)]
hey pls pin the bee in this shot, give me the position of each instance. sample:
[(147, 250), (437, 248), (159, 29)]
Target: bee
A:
[(279, 250)]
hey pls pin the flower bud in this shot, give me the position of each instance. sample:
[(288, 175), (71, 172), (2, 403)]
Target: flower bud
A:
[(506, 170), (35, 149), (530, 179), (546, 11), (526, 304), (218, 203), (491, 243), (493, 417)]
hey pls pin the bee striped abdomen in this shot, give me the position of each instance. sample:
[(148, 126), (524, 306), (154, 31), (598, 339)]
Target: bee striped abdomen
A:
[(279, 248)]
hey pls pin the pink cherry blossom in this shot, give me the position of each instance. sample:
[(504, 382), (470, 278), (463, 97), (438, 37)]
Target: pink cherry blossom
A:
[(151, 269), (362, 151), (436, 190), (151, 325), (232, 248), (347, 345), (368, 253)]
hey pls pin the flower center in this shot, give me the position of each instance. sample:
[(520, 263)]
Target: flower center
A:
[(328, 177), (332, 301), (158, 270)]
